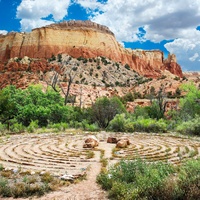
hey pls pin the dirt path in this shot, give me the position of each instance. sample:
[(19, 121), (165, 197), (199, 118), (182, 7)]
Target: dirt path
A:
[(43, 151), (85, 190)]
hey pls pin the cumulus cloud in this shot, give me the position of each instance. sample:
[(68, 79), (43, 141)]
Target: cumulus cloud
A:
[(194, 57), (160, 20), (130, 21), (33, 12), (3, 32), (90, 5), (186, 49)]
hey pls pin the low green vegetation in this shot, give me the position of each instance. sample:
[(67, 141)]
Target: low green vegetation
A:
[(139, 179), (24, 184), (32, 108), (130, 123)]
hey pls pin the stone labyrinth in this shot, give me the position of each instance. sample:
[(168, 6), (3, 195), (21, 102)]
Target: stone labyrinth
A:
[(64, 153)]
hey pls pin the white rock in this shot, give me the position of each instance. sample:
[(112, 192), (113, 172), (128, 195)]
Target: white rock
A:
[(16, 170), (67, 177)]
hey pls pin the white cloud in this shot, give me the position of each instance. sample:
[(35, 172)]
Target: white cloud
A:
[(186, 48), (89, 5), (29, 24), (194, 57), (31, 12), (3, 32), (162, 20)]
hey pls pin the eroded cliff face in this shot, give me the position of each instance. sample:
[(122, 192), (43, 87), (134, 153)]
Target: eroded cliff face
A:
[(85, 39)]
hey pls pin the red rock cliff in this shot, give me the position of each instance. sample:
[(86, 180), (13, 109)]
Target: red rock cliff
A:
[(86, 39)]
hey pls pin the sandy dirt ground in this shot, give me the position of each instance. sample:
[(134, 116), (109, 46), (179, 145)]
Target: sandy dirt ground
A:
[(56, 153)]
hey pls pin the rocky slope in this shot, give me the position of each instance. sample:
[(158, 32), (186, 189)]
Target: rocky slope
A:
[(93, 78), (84, 39)]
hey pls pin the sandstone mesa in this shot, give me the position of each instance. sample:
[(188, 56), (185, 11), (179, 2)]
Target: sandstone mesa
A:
[(84, 39)]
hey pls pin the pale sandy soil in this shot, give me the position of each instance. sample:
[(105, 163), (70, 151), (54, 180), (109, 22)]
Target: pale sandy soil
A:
[(43, 150)]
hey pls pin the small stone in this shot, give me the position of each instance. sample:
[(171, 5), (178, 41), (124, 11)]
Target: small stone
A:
[(67, 177), (8, 169), (16, 170), (32, 173)]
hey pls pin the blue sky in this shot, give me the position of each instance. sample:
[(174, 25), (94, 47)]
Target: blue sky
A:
[(171, 26)]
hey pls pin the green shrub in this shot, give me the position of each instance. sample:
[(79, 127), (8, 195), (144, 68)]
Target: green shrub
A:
[(53, 57), (127, 66), (140, 112), (139, 179), (59, 126), (75, 124), (118, 123), (189, 106), (98, 67), (134, 179), (2, 127), (17, 127), (5, 190), (189, 180), (129, 126), (32, 126), (150, 125), (128, 97), (59, 57), (92, 127), (105, 109), (190, 127)]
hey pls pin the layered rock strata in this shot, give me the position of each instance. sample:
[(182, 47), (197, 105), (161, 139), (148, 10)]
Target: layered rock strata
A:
[(84, 39)]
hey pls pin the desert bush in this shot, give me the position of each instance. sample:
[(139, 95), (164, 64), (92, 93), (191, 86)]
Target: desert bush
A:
[(59, 57), (127, 66), (121, 122), (105, 109), (5, 190), (17, 127), (134, 179), (190, 127), (2, 128), (129, 126), (89, 154), (140, 112), (92, 127), (128, 123), (118, 123), (189, 180), (59, 126), (189, 106), (139, 179), (46, 177), (150, 125), (128, 97), (18, 190), (184, 185), (25, 185), (32, 126)]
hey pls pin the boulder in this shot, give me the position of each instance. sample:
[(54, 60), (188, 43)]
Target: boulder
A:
[(122, 144), (125, 139), (91, 142), (112, 140)]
